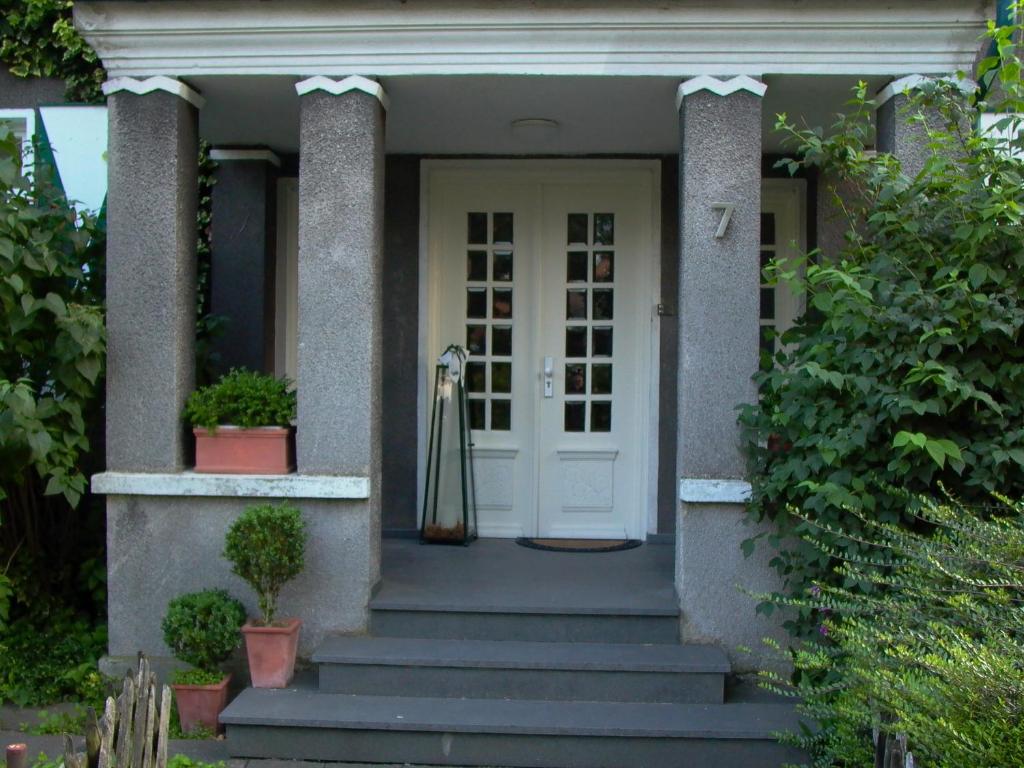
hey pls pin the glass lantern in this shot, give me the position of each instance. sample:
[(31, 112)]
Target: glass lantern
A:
[(449, 500)]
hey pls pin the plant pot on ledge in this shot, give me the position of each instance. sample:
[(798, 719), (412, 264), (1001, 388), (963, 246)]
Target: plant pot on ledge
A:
[(248, 451), (201, 705), (271, 651)]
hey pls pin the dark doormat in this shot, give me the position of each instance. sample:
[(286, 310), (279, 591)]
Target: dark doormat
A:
[(579, 545)]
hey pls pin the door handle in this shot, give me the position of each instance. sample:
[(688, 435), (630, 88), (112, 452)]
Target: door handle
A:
[(549, 373)]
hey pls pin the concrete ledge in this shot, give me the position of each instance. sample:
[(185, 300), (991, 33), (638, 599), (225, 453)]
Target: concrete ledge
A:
[(702, 491), (241, 486)]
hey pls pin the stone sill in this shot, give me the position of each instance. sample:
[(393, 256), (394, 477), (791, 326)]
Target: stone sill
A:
[(702, 491), (238, 486)]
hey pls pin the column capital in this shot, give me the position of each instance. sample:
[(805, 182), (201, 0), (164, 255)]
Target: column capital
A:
[(904, 85), (150, 84), (228, 155), (719, 87), (338, 87)]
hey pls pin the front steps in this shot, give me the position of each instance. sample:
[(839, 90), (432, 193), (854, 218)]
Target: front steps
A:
[(524, 689)]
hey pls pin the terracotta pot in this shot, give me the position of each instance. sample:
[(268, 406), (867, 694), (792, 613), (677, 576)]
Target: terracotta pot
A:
[(238, 451), (271, 651), (201, 704)]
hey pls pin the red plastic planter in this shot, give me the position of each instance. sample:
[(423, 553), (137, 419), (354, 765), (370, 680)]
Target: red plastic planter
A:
[(238, 451), (271, 652), (201, 704)]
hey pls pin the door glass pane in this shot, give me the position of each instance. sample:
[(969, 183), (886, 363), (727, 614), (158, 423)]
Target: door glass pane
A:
[(577, 228), (576, 341), (576, 379), (603, 298), (576, 270), (501, 377), (604, 229), (767, 303), (766, 256), (601, 379), (601, 338), (575, 416), (501, 415), (502, 228), (604, 266), (476, 265), (767, 229), (476, 377), (476, 339), (502, 303), (601, 417), (576, 304), (476, 302), (501, 339), (503, 266), (477, 409), (476, 228)]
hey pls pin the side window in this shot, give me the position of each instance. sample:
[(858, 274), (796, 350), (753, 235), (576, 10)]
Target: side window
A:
[(783, 225)]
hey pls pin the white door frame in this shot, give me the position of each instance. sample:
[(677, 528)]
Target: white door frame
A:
[(555, 170)]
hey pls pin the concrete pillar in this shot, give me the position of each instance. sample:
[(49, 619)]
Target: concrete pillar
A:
[(242, 246), (719, 225), (906, 139), (341, 235), (151, 271)]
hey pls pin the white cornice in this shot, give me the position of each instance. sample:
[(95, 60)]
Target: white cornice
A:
[(719, 87), (243, 486), (907, 84), (264, 155), (338, 87), (703, 491), (157, 83), (626, 37)]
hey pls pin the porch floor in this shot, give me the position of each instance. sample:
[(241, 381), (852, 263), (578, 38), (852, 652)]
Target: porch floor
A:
[(497, 575)]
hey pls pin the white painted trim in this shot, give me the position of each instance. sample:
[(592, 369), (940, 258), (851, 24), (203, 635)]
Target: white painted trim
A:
[(240, 486), (587, 455), (150, 84), (702, 491), (719, 87), (907, 84), (28, 117), (338, 87), (320, 37), (227, 155)]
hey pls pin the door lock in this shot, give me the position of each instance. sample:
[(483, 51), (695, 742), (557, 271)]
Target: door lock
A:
[(549, 373)]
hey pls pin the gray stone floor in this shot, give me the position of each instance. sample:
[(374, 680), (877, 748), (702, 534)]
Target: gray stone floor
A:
[(497, 573)]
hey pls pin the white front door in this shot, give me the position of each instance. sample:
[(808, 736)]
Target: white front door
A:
[(546, 277)]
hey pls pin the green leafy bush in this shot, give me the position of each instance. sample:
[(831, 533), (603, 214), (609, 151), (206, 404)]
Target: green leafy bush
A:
[(266, 546), (909, 367), (202, 629), (934, 650), (243, 399)]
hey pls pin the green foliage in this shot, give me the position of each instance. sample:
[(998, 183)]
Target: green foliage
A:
[(244, 399), (909, 366), (38, 39), (50, 658), (266, 546), (202, 628), (181, 761), (198, 676), (934, 650)]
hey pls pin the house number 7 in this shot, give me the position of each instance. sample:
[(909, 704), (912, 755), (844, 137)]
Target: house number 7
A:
[(723, 224)]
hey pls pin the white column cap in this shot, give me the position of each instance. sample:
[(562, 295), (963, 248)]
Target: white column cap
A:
[(338, 87), (719, 87), (150, 84)]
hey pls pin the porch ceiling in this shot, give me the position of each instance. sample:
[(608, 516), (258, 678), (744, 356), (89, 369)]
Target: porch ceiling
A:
[(472, 115)]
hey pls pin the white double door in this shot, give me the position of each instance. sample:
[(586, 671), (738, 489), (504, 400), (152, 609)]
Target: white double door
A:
[(546, 278)]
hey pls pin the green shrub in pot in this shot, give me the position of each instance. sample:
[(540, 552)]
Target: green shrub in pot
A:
[(242, 398), (202, 629)]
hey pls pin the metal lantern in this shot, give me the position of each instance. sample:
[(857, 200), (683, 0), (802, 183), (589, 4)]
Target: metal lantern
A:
[(449, 499)]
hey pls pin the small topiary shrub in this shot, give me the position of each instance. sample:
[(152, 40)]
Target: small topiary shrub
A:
[(243, 399), (202, 629), (266, 546)]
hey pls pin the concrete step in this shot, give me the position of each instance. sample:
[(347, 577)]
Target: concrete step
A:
[(487, 669), (649, 626), (307, 725)]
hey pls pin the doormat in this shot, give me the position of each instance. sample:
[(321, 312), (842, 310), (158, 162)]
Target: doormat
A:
[(579, 545)]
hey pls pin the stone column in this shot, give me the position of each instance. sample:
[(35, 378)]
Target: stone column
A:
[(719, 225), (908, 140), (341, 235), (243, 227), (151, 271)]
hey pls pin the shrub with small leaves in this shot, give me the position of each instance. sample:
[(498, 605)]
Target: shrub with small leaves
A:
[(266, 546), (203, 628), (243, 399)]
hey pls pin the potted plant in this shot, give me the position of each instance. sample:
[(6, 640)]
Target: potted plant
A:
[(201, 629), (266, 546), (242, 424)]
